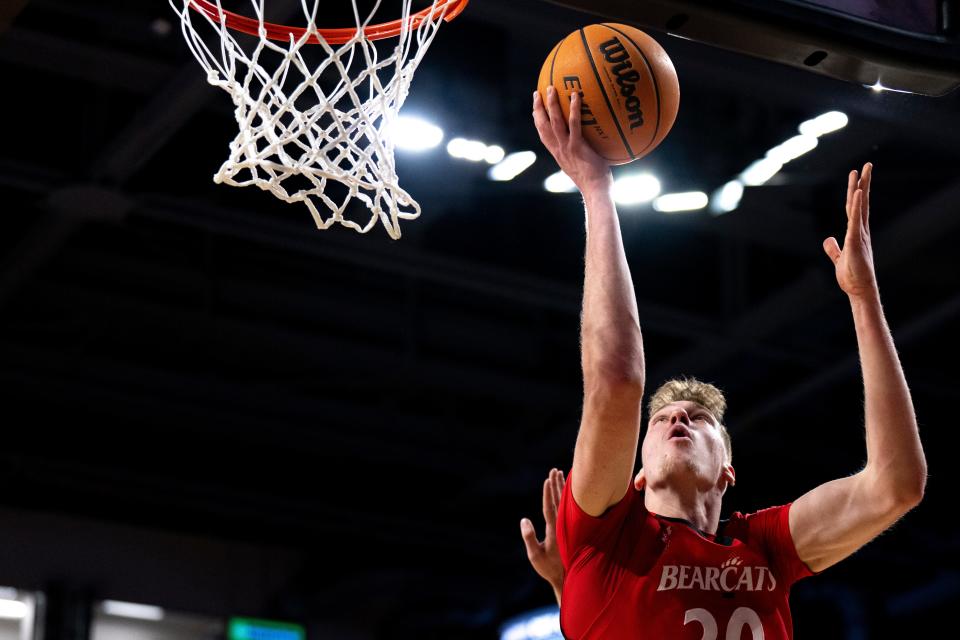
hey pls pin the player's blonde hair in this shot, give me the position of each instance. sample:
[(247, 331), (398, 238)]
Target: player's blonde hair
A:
[(692, 390)]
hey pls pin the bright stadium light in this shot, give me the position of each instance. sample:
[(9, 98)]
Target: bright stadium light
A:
[(824, 124), (675, 202), (13, 610), (636, 189), (760, 171), (542, 624), (878, 87), (494, 154), (792, 149), (415, 134), (727, 197), (132, 610), (512, 166), (472, 150), (559, 182)]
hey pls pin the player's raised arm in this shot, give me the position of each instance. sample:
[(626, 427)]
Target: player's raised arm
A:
[(837, 518), (612, 347)]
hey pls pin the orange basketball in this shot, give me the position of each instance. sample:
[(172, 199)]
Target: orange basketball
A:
[(628, 87)]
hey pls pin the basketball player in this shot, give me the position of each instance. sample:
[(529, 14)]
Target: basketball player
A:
[(656, 563)]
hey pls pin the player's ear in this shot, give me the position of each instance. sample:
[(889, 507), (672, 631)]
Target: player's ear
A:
[(639, 481), (729, 476)]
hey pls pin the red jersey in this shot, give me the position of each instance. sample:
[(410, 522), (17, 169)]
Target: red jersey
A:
[(632, 574)]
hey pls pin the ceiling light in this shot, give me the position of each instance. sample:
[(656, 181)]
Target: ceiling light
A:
[(688, 201), (415, 134), (824, 123), (636, 189), (792, 149), (512, 166), (760, 171), (13, 610), (464, 149), (132, 610), (727, 197), (559, 182), (494, 154)]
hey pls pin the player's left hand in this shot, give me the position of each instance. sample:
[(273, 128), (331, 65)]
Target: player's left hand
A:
[(854, 264), (545, 556)]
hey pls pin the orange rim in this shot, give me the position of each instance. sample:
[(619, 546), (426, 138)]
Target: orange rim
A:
[(333, 36)]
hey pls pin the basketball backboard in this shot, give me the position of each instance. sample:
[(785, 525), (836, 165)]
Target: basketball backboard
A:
[(909, 46)]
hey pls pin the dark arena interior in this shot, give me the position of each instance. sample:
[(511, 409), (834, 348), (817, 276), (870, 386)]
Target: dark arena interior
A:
[(214, 409)]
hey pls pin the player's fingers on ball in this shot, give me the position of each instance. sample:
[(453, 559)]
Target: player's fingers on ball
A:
[(548, 139), (574, 120), (542, 122), (557, 122)]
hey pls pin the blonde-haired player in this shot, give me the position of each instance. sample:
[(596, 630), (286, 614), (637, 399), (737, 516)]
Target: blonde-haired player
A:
[(649, 558)]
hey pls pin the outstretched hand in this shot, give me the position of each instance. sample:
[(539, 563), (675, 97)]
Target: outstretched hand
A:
[(563, 138), (545, 556), (854, 263)]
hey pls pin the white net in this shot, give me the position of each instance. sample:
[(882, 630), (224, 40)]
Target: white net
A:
[(315, 118)]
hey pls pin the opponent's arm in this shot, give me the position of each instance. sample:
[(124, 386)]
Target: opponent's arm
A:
[(611, 343), (837, 518), (544, 556)]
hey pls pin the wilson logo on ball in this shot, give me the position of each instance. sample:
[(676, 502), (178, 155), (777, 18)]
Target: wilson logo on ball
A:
[(618, 59)]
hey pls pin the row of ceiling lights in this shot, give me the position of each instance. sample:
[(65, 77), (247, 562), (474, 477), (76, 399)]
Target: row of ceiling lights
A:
[(416, 134)]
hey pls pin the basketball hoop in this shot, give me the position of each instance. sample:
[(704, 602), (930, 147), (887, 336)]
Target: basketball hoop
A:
[(308, 125)]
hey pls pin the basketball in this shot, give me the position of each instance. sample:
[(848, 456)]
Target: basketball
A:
[(628, 87)]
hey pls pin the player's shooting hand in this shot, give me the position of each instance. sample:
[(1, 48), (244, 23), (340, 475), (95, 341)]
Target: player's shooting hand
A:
[(563, 138), (544, 556), (854, 264)]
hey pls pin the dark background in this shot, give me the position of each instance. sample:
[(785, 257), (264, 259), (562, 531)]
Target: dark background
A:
[(209, 405)]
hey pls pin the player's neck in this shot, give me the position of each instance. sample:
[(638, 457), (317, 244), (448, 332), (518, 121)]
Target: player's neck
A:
[(702, 510)]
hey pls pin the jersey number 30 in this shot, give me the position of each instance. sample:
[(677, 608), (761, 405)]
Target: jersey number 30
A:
[(742, 617)]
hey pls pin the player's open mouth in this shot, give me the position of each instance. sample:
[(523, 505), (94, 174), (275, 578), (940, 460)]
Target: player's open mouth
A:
[(679, 433)]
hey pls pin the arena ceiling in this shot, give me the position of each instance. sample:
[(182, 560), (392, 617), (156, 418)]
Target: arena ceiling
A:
[(187, 357)]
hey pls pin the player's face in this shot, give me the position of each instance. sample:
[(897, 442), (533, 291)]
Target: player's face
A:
[(683, 443)]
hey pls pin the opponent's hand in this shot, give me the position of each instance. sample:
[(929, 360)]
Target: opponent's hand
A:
[(545, 556), (563, 138), (854, 264)]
